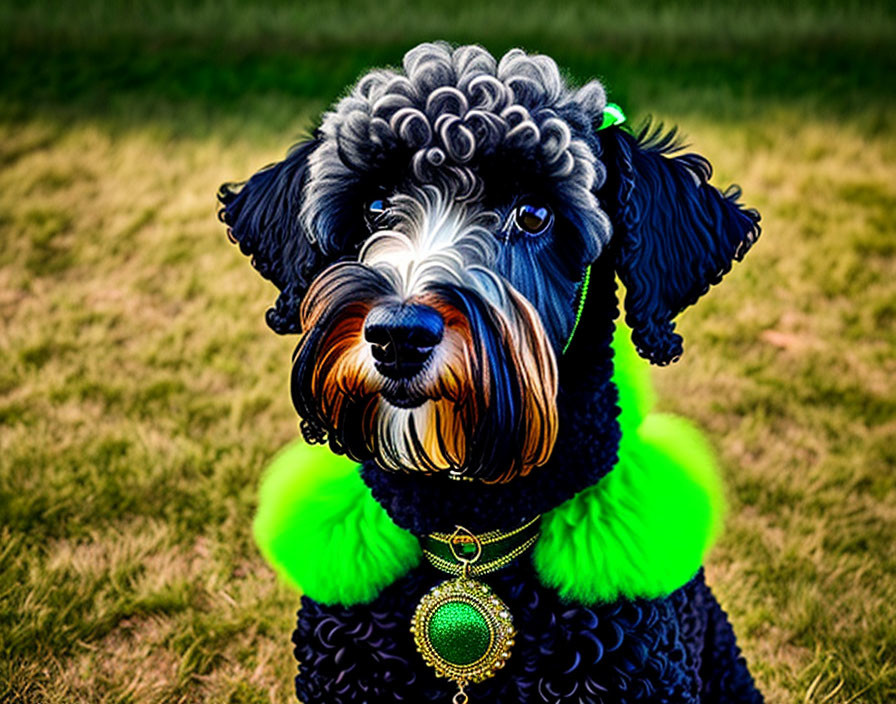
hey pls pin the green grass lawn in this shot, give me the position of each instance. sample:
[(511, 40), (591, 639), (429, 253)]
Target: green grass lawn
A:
[(141, 393)]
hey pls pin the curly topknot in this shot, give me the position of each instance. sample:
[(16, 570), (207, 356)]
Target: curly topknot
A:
[(446, 112)]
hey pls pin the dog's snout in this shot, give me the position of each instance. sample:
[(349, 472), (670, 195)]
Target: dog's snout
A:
[(402, 337)]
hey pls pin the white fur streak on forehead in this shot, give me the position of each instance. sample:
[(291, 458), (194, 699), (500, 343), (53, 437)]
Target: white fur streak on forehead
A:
[(447, 107), (433, 241)]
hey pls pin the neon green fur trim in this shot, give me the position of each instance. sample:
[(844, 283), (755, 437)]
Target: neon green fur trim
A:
[(322, 531), (641, 531), (645, 528)]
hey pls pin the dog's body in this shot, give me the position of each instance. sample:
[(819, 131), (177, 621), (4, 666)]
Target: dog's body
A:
[(679, 649), (433, 244)]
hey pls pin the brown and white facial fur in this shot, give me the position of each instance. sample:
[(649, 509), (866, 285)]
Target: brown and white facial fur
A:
[(493, 371)]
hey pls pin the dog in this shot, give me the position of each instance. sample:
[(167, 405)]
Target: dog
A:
[(446, 244)]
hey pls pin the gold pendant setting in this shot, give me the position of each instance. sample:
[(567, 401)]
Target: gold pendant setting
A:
[(463, 630)]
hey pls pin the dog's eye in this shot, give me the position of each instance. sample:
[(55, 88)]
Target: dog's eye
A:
[(376, 212), (377, 207), (532, 219)]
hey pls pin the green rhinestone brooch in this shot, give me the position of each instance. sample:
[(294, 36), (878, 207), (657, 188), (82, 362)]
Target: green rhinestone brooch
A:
[(463, 630)]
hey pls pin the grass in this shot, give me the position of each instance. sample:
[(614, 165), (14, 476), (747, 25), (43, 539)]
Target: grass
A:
[(141, 393)]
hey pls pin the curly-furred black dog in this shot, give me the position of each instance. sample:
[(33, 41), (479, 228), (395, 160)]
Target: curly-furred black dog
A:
[(447, 245)]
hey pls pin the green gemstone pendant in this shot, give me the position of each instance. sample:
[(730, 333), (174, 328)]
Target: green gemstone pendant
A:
[(461, 628), (463, 631)]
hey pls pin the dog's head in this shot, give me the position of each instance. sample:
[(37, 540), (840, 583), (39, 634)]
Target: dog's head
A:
[(431, 240)]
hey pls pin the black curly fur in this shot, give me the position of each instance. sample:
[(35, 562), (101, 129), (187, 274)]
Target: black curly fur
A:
[(675, 235), (676, 650)]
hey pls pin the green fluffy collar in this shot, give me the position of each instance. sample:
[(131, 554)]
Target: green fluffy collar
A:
[(641, 531)]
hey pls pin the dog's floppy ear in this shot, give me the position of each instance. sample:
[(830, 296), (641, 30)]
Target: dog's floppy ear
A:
[(262, 216), (674, 234)]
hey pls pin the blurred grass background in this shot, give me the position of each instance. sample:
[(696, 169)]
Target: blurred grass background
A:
[(141, 393)]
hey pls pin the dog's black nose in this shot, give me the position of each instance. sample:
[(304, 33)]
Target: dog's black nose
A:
[(402, 337)]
